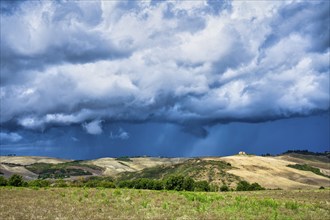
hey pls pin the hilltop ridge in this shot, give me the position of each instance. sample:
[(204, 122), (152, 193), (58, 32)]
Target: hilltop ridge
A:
[(269, 171)]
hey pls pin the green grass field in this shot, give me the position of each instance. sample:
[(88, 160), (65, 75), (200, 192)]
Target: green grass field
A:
[(99, 203)]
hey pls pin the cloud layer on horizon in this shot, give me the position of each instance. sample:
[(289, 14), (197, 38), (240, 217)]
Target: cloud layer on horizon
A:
[(192, 63)]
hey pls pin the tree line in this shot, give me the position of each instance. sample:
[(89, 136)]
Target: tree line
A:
[(173, 182)]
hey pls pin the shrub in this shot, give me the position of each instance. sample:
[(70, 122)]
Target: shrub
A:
[(91, 183), (149, 183), (16, 180), (245, 186), (174, 182), (141, 183), (125, 184), (307, 167), (224, 188), (158, 185), (3, 181), (60, 183), (39, 183), (78, 183), (255, 186), (214, 188), (202, 186), (107, 184), (188, 184)]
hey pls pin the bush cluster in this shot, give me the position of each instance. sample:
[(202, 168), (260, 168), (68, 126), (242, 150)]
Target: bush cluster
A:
[(142, 183), (224, 188), (17, 180), (39, 183), (245, 186), (14, 180), (307, 167), (173, 182), (62, 170)]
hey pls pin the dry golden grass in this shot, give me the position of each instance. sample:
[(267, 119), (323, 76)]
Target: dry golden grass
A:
[(272, 172), (269, 172), (27, 160), (80, 203), (113, 166), (323, 166), (9, 170)]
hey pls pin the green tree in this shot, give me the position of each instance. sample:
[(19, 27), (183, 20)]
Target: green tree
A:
[(3, 181), (224, 188), (107, 184), (255, 186), (158, 185), (39, 183), (202, 186), (125, 184), (16, 180), (174, 182), (141, 183), (188, 184), (243, 186), (92, 183)]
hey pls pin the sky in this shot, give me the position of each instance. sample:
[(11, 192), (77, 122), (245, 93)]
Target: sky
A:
[(91, 79)]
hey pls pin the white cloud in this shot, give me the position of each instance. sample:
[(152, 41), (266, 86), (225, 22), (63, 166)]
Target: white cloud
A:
[(94, 127), (85, 62), (11, 137), (31, 122), (120, 134)]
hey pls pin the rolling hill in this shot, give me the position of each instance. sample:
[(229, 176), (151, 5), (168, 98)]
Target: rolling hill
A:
[(270, 172)]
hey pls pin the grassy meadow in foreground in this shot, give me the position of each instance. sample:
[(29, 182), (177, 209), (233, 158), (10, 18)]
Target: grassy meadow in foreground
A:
[(99, 203)]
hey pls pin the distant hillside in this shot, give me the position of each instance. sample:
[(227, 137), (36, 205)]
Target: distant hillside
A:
[(306, 152), (273, 172), (308, 155), (213, 171), (291, 170)]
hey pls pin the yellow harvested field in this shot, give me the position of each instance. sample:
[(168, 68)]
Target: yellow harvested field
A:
[(269, 172), (113, 166), (272, 172), (27, 160)]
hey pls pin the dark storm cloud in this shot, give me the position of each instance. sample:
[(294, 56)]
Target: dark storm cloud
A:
[(168, 140), (190, 63), (301, 18), (8, 7), (216, 6), (52, 34), (9, 137)]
